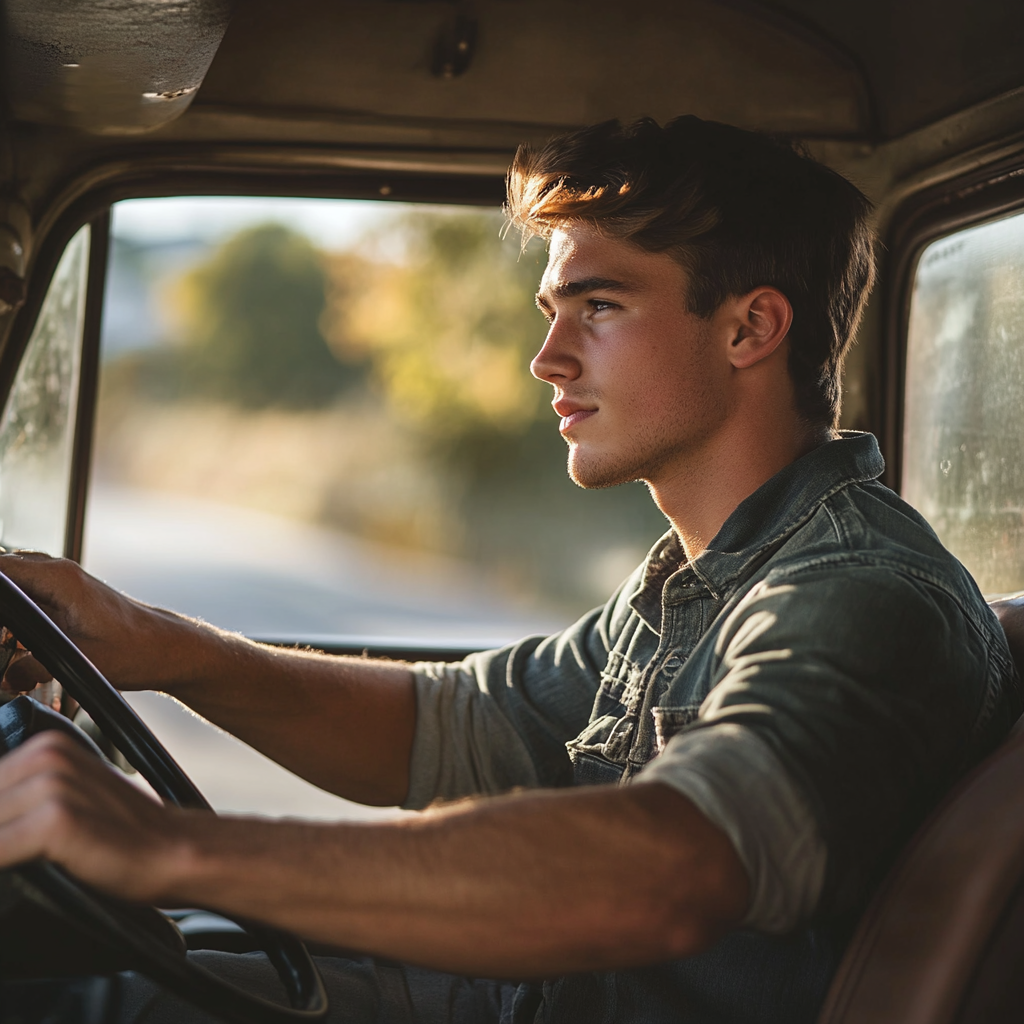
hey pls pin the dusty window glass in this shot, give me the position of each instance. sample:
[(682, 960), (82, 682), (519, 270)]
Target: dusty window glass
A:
[(964, 437), (316, 422), (37, 429)]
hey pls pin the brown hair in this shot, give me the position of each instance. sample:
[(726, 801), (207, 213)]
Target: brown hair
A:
[(737, 209)]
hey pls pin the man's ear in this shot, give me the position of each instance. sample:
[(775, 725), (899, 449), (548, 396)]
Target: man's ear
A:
[(761, 320)]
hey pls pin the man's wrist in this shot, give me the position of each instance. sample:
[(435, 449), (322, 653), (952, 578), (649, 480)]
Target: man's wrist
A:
[(190, 862), (232, 865), (189, 652)]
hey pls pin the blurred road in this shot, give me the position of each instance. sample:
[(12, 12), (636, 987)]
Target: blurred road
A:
[(267, 576), (262, 574)]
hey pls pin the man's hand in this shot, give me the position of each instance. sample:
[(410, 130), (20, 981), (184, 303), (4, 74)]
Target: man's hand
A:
[(59, 802), (128, 641), (518, 886), (345, 724)]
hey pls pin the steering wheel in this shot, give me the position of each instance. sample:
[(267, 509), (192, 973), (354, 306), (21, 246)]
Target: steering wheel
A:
[(152, 941)]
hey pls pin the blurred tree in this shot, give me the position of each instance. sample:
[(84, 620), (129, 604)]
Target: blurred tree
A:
[(450, 328), (248, 324), (458, 448)]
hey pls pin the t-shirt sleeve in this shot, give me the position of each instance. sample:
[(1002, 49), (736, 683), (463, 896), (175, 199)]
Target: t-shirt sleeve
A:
[(850, 700)]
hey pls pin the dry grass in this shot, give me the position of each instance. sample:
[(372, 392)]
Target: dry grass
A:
[(352, 466)]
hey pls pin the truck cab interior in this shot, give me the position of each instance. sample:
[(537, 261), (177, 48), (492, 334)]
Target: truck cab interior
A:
[(175, 177)]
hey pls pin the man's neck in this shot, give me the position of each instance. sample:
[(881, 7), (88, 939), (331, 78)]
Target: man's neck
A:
[(699, 491)]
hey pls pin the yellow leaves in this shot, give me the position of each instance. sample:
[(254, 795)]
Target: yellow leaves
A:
[(450, 330)]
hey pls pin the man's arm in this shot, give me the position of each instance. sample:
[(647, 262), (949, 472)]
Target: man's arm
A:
[(526, 885), (345, 724)]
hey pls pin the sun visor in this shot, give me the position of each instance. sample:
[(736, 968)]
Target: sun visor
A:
[(114, 68)]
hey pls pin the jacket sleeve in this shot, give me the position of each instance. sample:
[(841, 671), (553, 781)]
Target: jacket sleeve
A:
[(872, 689), (501, 719)]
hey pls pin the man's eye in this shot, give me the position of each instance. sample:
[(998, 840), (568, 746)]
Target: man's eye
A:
[(600, 305)]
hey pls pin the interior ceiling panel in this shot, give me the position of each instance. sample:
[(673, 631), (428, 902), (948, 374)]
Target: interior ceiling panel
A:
[(539, 62), (370, 73), (922, 59), (117, 67)]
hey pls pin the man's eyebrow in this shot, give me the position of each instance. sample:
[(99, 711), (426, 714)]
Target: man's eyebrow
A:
[(570, 289)]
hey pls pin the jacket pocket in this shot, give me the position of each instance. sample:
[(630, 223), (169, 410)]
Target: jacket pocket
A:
[(669, 720), (594, 770)]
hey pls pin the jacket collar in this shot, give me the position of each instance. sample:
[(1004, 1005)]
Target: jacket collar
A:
[(762, 521)]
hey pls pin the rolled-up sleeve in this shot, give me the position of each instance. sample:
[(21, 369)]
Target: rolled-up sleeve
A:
[(735, 780), (847, 700), (500, 719)]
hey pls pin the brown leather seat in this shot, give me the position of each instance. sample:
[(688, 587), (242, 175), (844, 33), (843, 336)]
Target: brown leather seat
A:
[(943, 940)]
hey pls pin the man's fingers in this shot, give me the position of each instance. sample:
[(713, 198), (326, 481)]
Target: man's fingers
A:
[(24, 673), (38, 574), (109, 627), (37, 781), (38, 798), (22, 838), (57, 585), (56, 755), (41, 576), (47, 751), (60, 802)]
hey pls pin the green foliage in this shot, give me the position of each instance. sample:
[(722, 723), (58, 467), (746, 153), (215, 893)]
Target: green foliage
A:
[(248, 321)]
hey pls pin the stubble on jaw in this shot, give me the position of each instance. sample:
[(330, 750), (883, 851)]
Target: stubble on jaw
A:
[(634, 466), (650, 452)]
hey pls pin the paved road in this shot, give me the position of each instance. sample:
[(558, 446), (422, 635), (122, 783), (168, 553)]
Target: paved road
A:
[(258, 573), (268, 576)]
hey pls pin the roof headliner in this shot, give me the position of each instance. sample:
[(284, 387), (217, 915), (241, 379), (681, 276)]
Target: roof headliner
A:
[(866, 70)]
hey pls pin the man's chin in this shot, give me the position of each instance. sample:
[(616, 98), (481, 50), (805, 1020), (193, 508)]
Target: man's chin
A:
[(594, 475)]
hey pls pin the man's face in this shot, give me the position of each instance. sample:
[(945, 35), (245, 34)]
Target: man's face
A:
[(640, 383)]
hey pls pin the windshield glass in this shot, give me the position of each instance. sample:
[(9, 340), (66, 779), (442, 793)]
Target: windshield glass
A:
[(316, 421)]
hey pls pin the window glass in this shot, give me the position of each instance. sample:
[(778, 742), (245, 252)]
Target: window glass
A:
[(964, 433), (316, 420), (37, 429)]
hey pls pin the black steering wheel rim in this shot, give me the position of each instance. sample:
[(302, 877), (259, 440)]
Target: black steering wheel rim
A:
[(37, 632)]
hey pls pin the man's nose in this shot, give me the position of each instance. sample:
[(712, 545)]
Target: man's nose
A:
[(557, 360)]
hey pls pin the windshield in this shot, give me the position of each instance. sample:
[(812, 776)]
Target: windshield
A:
[(316, 421)]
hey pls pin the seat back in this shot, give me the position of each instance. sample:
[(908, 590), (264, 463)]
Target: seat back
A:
[(943, 940)]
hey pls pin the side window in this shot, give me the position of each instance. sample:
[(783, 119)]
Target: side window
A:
[(38, 424), (963, 451)]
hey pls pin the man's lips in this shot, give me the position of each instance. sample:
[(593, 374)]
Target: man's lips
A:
[(570, 421), (571, 413)]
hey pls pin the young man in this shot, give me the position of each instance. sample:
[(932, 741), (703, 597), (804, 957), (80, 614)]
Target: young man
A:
[(713, 770)]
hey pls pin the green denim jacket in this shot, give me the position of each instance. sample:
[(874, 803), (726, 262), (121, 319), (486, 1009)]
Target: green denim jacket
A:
[(825, 658)]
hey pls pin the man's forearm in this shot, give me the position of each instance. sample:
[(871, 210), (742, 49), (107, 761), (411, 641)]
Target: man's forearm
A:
[(345, 724), (529, 885)]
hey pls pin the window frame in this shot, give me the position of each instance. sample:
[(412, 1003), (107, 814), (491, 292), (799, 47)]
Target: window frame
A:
[(39, 281), (94, 207), (969, 200)]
